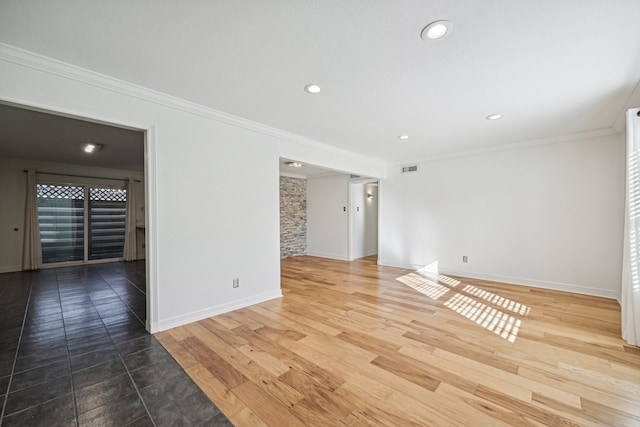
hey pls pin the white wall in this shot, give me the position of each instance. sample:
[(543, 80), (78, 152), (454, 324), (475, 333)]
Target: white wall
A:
[(327, 219), (547, 215), (13, 190), (370, 241), (206, 172)]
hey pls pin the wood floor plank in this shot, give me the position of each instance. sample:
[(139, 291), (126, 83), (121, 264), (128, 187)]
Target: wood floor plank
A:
[(357, 344), (373, 411), (493, 414), (246, 417), (529, 410), (606, 414), (310, 374), (407, 371), (269, 409), (218, 392)]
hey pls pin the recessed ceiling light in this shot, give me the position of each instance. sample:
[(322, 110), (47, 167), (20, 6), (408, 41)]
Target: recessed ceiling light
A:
[(494, 117), (403, 137), (294, 164), (436, 30), (313, 88), (91, 148)]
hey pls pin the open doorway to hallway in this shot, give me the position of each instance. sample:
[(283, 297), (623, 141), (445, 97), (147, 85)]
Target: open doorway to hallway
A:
[(327, 213), (363, 218)]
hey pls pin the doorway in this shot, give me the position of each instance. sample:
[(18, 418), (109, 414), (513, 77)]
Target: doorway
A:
[(363, 218), (88, 226)]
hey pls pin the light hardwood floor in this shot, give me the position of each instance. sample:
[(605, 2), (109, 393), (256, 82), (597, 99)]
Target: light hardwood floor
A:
[(358, 344)]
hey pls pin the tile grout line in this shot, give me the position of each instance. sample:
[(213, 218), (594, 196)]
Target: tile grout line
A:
[(64, 325), (144, 404), (69, 284), (15, 359), (135, 386), (122, 301)]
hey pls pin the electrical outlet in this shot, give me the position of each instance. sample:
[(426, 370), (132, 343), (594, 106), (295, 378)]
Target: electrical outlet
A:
[(236, 283), (464, 258)]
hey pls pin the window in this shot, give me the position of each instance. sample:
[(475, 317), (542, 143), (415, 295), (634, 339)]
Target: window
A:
[(81, 223), (107, 222)]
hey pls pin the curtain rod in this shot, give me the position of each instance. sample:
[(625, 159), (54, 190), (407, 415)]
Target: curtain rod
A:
[(81, 176)]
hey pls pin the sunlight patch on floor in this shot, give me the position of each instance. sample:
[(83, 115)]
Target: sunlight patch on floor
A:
[(448, 280), (492, 319), (423, 285), (496, 299), (470, 304)]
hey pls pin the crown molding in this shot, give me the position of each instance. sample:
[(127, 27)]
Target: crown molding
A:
[(24, 58), (513, 146)]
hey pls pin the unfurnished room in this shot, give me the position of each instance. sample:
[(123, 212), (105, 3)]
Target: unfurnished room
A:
[(288, 213)]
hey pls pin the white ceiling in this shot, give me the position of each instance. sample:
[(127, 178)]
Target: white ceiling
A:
[(552, 68)]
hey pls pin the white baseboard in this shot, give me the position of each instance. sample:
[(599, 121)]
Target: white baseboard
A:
[(195, 316), (364, 255), (554, 286), (10, 269), (383, 263), (327, 255), (542, 284)]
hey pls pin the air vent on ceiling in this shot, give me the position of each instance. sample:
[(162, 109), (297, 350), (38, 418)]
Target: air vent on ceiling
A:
[(406, 169), (354, 176)]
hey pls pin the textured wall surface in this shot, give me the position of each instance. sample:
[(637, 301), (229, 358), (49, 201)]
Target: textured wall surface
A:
[(293, 217)]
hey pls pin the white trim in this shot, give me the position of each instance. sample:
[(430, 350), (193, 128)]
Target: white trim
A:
[(542, 284), (151, 230), (293, 175), (380, 214), (52, 66), (195, 316), (328, 255), (512, 146), (519, 281), (383, 263), (10, 269)]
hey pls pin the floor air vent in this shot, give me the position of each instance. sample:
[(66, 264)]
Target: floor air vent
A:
[(409, 169)]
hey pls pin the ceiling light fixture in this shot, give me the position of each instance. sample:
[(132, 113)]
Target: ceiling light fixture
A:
[(494, 117), (91, 148), (313, 88), (403, 137), (436, 30), (294, 164)]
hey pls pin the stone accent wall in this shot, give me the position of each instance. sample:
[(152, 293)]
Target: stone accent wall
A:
[(293, 217)]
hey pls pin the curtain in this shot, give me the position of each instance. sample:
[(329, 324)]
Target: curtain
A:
[(32, 252), (630, 290), (130, 246)]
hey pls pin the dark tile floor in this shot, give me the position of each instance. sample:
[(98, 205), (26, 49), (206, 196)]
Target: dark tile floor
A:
[(74, 352)]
